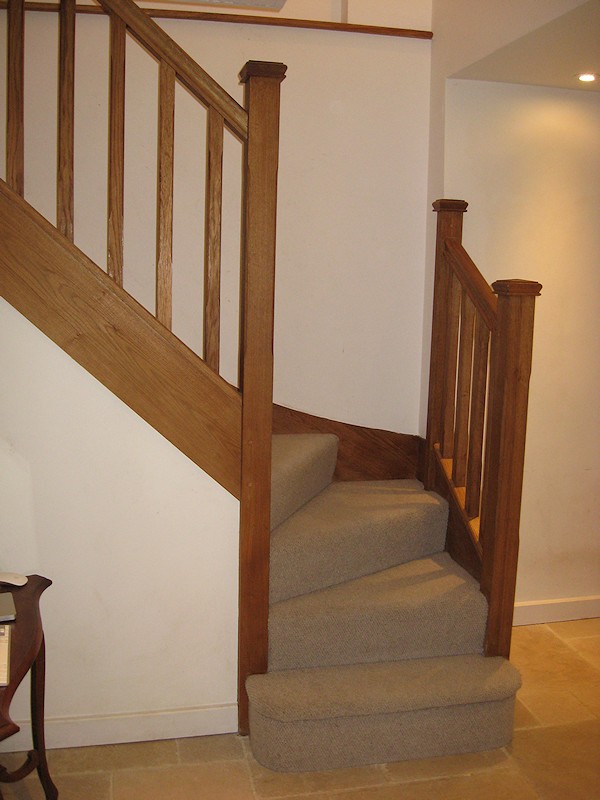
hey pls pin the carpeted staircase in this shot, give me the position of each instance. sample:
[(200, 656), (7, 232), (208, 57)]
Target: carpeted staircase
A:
[(375, 633)]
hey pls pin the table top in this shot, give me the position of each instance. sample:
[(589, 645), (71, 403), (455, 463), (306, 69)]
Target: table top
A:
[(26, 639)]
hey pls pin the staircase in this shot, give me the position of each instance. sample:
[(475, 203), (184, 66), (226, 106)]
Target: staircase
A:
[(375, 633), (375, 615)]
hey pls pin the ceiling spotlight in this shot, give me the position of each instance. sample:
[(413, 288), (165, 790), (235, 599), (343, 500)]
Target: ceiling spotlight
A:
[(587, 77)]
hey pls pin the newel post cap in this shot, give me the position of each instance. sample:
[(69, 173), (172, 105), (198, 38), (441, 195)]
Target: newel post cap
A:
[(263, 69), (516, 287), (450, 205)]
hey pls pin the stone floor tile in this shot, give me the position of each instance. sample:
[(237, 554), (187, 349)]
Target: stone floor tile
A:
[(502, 784), (338, 779), (577, 628), (561, 761), (227, 747), (269, 784), (70, 787), (446, 766), (588, 647), (112, 757), (217, 780), (523, 717), (552, 707)]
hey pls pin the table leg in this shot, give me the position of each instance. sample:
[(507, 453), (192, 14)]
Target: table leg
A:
[(38, 677)]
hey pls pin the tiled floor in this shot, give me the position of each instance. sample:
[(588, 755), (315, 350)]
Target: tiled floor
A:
[(555, 754)]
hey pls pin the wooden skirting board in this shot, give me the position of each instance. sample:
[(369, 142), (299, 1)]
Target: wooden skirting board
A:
[(364, 453)]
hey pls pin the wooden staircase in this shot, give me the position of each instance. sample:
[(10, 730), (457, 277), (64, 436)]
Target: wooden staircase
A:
[(481, 343)]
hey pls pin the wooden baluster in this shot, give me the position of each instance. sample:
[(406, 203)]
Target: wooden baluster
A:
[(116, 149), (449, 225), (164, 227), (510, 368), (66, 119), (449, 406), (212, 239), (15, 142), (463, 392), (262, 92), (478, 394)]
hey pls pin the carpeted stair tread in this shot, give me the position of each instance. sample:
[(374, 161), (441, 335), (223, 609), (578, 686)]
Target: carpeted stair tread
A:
[(322, 719), (302, 466), (381, 688), (425, 608), (352, 529)]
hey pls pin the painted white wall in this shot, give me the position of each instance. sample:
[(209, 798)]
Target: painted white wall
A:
[(141, 545), (464, 32), (558, 571), (98, 501), (527, 159)]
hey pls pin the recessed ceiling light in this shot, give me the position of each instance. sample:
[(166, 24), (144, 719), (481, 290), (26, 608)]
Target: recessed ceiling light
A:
[(587, 77)]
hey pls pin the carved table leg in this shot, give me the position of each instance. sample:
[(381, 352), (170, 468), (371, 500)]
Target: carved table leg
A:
[(38, 675)]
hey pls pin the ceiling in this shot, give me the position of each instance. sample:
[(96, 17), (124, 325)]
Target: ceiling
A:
[(553, 55)]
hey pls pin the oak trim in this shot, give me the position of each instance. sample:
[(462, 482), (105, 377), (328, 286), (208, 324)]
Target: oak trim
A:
[(261, 155), (212, 239), (364, 454), (15, 99), (250, 19), (164, 219), (199, 82), (65, 201), (116, 150), (76, 304), (472, 281)]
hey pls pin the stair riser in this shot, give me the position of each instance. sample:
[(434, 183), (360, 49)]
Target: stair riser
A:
[(314, 745), (306, 559), (371, 639)]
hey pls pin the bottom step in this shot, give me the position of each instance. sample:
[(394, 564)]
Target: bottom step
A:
[(332, 717)]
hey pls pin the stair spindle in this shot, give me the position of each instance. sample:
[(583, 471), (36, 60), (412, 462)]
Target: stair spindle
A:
[(15, 139), (164, 226)]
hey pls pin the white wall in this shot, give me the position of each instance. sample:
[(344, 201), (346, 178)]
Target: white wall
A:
[(528, 161), (495, 153), (98, 501), (141, 545), (351, 219)]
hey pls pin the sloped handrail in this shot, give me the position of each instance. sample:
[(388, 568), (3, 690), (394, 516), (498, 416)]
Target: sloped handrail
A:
[(199, 82), (478, 393)]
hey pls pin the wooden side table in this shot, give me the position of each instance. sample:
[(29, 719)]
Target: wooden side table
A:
[(27, 652)]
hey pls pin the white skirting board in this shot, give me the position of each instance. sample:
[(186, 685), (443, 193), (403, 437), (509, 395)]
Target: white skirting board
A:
[(535, 612), (119, 728)]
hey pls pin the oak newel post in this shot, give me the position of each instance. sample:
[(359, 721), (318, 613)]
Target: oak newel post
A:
[(510, 368), (449, 226), (262, 90)]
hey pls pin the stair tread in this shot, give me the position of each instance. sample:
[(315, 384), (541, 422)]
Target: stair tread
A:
[(302, 466), (382, 688), (352, 529), (428, 607)]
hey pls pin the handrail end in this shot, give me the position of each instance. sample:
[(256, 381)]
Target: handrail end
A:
[(517, 286), (450, 205), (262, 69)]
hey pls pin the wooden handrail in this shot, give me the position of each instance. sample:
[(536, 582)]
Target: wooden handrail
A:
[(248, 19), (479, 381), (63, 293), (199, 82), (472, 281)]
